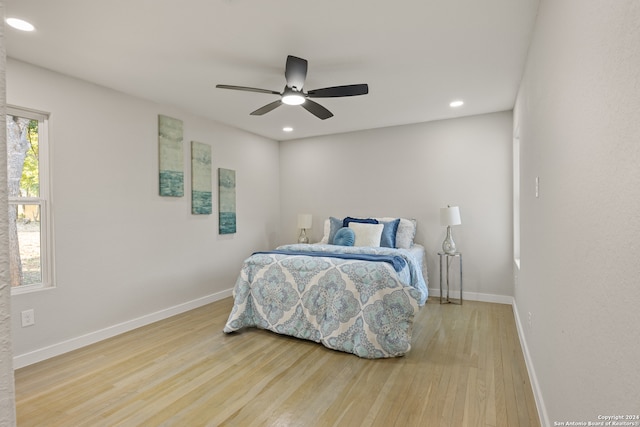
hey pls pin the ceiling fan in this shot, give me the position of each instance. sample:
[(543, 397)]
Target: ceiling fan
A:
[(295, 73)]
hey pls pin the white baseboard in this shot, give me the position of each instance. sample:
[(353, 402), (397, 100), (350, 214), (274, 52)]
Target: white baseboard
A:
[(535, 385), (44, 353), (474, 296)]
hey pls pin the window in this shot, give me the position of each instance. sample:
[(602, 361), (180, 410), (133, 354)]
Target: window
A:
[(27, 172), (516, 197)]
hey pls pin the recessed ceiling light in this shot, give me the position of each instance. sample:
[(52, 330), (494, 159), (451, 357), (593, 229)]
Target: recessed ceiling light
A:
[(287, 129), (455, 104), (20, 24)]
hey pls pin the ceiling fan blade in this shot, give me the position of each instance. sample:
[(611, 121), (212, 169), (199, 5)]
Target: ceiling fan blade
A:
[(264, 110), (295, 72), (317, 110), (248, 89), (338, 91)]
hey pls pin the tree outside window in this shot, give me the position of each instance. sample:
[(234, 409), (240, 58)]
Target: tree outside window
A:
[(27, 224)]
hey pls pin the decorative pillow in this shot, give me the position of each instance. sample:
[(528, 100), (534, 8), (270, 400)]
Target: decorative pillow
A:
[(367, 234), (406, 232), (336, 224), (347, 220), (331, 227), (388, 238), (344, 237)]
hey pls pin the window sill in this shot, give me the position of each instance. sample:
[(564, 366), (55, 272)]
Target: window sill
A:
[(28, 289)]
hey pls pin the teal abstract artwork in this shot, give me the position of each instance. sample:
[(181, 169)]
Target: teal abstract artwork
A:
[(227, 200), (170, 156), (201, 189)]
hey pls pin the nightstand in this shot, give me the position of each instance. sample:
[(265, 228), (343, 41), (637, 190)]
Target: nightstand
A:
[(449, 259)]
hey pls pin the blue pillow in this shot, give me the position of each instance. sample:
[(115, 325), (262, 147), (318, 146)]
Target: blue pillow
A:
[(388, 238), (347, 220), (344, 237), (335, 225)]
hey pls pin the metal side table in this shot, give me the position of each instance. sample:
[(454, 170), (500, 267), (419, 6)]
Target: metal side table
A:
[(448, 259)]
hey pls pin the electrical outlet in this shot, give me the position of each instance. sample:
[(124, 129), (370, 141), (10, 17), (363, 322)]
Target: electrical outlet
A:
[(530, 320), (28, 318)]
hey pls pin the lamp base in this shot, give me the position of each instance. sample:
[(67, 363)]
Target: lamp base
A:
[(449, 246)]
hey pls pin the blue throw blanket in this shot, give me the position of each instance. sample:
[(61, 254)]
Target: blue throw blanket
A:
[(397, 262)]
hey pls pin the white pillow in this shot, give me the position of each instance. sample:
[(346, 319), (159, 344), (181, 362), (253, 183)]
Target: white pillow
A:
[(367, 234), (326, 231)]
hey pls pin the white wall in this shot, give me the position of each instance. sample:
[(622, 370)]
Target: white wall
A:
[(412, 171), (578, 111), (121, 251)]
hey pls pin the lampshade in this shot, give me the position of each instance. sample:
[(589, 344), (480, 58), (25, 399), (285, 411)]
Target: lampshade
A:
[(450, 216), (305, 220)]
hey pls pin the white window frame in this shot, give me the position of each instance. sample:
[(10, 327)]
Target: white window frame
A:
[(43, 201), (516, 197)]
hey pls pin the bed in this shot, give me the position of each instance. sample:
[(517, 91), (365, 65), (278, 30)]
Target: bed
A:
[(359, 299)]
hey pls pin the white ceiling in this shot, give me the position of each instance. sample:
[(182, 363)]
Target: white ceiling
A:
[(415, 55)]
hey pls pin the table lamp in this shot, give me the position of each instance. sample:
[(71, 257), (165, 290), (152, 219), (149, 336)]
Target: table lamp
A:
[(449, 216), (304, 222)]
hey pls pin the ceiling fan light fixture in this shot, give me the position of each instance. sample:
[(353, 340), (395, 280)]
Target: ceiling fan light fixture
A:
[(293, 99)]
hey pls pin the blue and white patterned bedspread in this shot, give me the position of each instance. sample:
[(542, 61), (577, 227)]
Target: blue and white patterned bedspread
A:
[(360, 307)]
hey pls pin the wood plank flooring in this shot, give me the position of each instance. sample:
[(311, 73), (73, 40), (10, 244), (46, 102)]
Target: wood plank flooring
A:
[(465, 369)]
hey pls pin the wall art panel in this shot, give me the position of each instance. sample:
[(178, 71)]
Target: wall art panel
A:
[(201, 187), (170, 156), (227, 200)]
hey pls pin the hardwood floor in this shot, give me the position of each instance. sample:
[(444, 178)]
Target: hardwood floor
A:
[(465, 369)]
